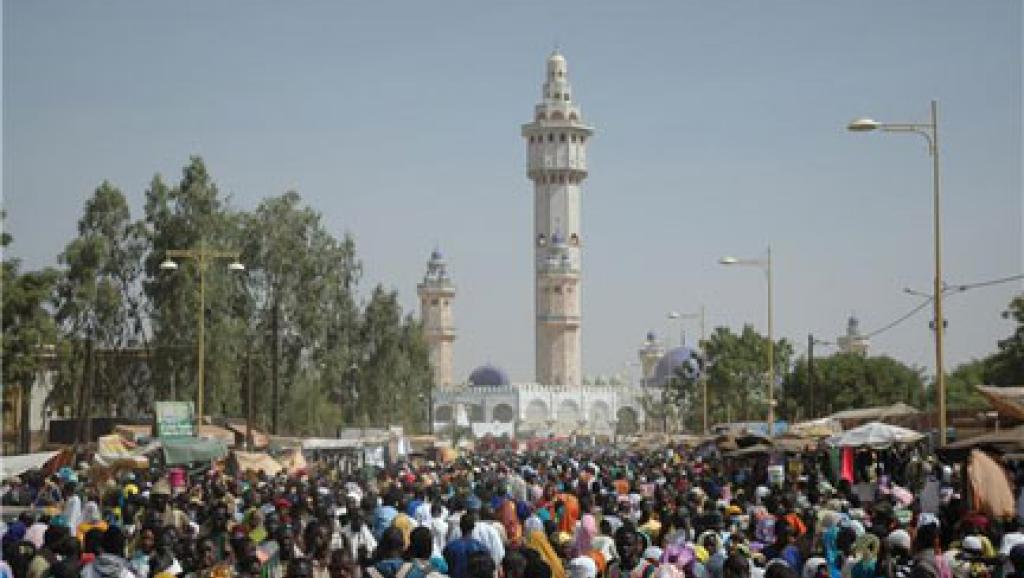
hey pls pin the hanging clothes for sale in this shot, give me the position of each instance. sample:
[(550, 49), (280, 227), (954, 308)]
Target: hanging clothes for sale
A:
[(846, 472)]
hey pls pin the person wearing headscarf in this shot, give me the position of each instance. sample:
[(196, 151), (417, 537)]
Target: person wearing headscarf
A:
[(91, 518), (569, 512), (538, 542), (584, 535), (532, 523), (509, 519), (403, 522)]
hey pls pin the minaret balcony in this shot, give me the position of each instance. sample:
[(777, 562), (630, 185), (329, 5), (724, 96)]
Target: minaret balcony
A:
[(440, 334), (560, 320), (436, 289)]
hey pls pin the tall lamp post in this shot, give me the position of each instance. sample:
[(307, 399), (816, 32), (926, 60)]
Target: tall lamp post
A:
[(203, 256), (930, 131), (766, 265)]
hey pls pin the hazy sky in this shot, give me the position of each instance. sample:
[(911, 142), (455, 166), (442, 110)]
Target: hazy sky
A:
[(720, 129)]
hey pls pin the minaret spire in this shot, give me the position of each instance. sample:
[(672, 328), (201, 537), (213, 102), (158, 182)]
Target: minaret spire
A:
[(557, 164)]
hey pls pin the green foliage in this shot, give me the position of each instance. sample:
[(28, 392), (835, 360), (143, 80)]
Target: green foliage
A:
[(98, 300), (738, 373), (28, 326), (305, 412), (847, 381), (1006, 366), (187, 216), (126, 331), (303, 277), (960, 390)]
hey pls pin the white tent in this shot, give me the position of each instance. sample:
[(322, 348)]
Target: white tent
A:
[(11, 466), (875, 434)]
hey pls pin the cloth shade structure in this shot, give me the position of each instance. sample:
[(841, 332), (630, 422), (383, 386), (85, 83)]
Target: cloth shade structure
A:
[(875, 435)]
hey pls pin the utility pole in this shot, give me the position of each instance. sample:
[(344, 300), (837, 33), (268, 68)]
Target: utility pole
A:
[(248, 400), (810, 375), (273, 368)]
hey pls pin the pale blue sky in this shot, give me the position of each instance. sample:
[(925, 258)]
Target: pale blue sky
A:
[(720, 128)]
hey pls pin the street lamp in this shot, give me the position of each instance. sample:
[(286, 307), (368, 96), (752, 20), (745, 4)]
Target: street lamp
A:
[(766, 265), (202, 255), (930, 131)]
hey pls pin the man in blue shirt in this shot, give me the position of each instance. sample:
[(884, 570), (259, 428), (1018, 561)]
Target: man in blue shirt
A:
[(384, 515), (457, 552)]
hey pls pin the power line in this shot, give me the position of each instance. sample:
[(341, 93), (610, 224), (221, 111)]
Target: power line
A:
[(900, 319), (987, 283), (950, 289)]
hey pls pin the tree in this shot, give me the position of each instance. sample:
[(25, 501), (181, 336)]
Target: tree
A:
[(99, 306), (1006, 366), (28, 328), (301, 297), (960, 390), (191, 214), (848, 381), (737, 372), (388, 385)]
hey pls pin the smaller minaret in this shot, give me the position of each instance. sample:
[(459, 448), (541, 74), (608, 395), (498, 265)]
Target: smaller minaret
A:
[(649, 354), (853, 341), (436, 295)]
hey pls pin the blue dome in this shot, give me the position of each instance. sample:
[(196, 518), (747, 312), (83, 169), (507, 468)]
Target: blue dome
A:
[(488, 375), (673, 360), (651, 336), (556, 239), (435, 255)]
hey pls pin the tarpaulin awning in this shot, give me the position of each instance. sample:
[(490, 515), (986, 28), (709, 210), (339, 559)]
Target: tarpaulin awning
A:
[(179, 451), (11, 466), (818, 428), (876, 413), (294, 462), (256, 462), (876, 435), (1007, 401), (112, 451)]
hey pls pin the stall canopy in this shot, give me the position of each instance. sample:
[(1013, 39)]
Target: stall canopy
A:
[(1007, 401), (11, 466), (179, 451), (113, 451), (876, 413), (818, 428), (256, 462), (1006, 441), (875, 434)]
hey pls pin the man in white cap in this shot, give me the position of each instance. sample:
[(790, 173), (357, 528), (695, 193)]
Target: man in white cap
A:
[(582, 567)]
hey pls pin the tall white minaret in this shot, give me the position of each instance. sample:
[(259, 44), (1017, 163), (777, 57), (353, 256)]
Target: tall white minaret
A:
[(557, 164), (436, 295)]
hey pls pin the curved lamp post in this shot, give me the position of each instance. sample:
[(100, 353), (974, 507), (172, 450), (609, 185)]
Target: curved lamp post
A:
[(930, 131), (766, 265)]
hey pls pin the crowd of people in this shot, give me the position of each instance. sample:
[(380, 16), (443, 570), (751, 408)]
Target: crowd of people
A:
[(571, 513)]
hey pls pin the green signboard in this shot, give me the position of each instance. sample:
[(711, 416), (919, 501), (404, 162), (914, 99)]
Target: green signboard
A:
[(174, 419)]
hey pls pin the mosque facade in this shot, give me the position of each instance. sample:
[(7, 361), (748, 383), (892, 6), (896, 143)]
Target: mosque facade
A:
[(558, 402)]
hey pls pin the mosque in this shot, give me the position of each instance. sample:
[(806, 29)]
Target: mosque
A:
[(558, 402)]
